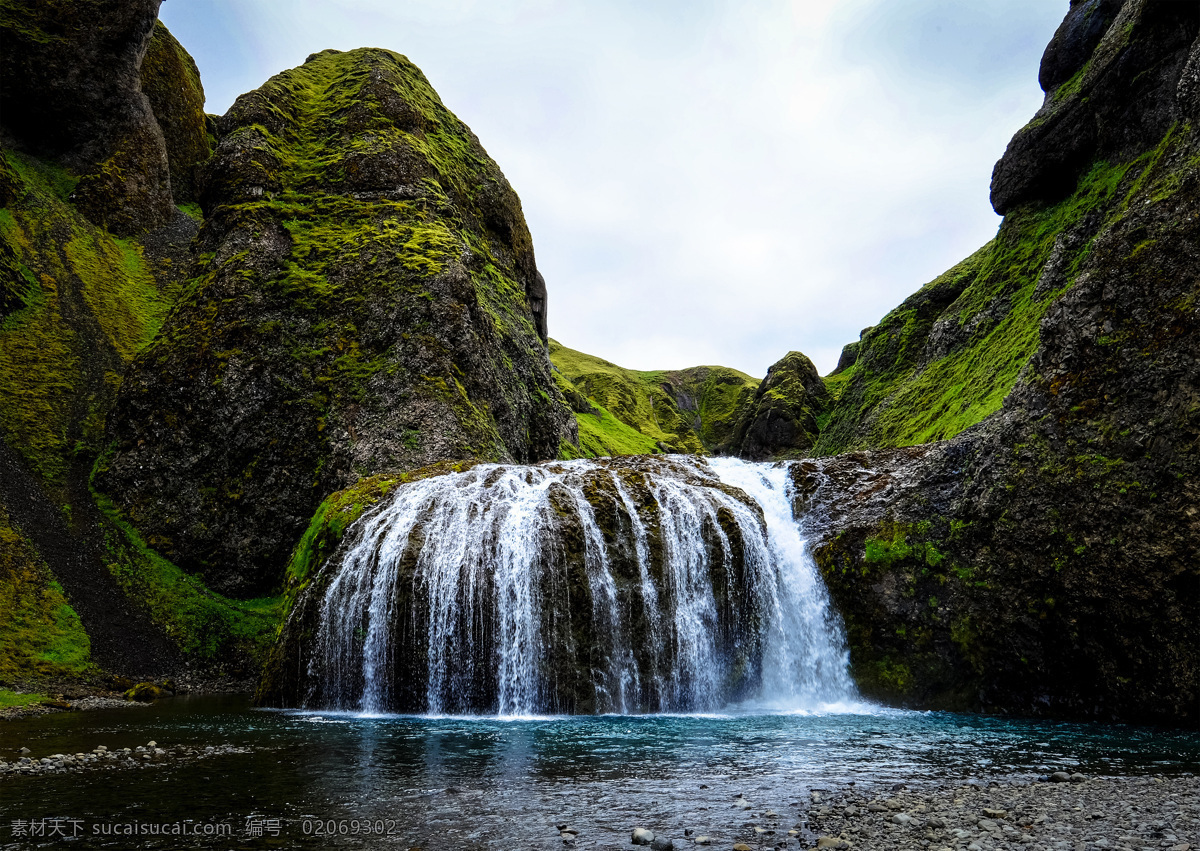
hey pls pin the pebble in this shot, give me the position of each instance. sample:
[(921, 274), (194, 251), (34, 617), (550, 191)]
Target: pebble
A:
[(662, 843), (103, 759), (1090, 814), (641, 836)]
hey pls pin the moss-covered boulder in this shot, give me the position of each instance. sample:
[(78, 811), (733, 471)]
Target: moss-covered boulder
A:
[(367, 300), (784, 421), (600, 571), (630, 412), (71, 93), (171, 82), (1043, 560)]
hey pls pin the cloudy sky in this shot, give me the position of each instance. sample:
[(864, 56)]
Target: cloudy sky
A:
[(707, 181)]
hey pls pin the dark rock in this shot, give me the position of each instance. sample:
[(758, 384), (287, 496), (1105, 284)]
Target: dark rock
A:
[(1075, 40), (1042, 560), (171, 82), (362, 305), (782, 421), (71, 92), (1112, 91)]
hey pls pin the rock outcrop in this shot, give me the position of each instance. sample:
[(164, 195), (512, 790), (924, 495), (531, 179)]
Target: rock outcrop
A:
[(784, 419), (171, 82), (1112, 77), (1044, 560), (70, 91), (366, 300)]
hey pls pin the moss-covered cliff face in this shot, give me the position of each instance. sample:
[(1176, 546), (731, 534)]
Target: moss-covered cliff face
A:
[(948, 356), (627, 412), (1043, 560), (81, 590), (171, 83), (71, 94), (366, 300)]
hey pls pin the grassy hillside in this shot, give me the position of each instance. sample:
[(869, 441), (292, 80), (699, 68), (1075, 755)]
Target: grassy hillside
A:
[(946, 358), (629, 412)]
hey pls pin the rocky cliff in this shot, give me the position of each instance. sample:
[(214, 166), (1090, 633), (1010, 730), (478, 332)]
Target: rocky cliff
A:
[(1044, 559), (365, 299), (71, 93), (78, 301)]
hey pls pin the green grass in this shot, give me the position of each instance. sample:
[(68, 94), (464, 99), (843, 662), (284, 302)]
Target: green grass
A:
[(10, 699), (203, 624), (634, 412), (890, 397), (40, 634)]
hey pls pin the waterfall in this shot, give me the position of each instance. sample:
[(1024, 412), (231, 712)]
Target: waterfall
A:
[(646, 584)]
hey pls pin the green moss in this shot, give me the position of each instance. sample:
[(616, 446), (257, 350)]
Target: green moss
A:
[(76, 273), (633, 412), (895, 395), (40, 634), (204, 625)]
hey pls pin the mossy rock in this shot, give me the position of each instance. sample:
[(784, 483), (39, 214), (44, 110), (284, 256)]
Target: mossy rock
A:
[(784, 419), (367, 301), (149, 692), (72, 94), (171, 81)]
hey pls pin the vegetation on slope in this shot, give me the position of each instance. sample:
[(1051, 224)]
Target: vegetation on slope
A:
[(365, 301), (40, 634), (948, 356), (628, 412)]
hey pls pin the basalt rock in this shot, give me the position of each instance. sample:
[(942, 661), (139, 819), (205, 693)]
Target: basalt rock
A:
[(70, 92), (1043, 560), (1114, 81), (366, 300), (171, 81), (783, 420)]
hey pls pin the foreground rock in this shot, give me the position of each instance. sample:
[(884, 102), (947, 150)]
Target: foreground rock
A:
[(1132, 813)]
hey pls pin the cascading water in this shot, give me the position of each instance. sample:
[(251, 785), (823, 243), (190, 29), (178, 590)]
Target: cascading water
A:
[(623, 585)]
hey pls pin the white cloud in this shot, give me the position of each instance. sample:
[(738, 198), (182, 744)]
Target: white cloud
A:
[(706, 182)]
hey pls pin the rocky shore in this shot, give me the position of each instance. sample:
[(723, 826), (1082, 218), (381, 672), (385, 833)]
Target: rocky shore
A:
[(1066, 813), (102, 759)]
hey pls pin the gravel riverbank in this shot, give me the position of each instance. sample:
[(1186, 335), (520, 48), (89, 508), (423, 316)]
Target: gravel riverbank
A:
[(1110, 813)]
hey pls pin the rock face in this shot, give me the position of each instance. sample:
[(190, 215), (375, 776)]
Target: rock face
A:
[(1044, 560), (366, 299), (71, 92), (171, 82), (783, 421), (1112, 76)]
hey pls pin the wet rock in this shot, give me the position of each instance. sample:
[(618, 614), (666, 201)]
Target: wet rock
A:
[(641, 836), (662, 843)]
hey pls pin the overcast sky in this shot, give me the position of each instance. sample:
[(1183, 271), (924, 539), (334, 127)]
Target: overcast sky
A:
[(706, 181)]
